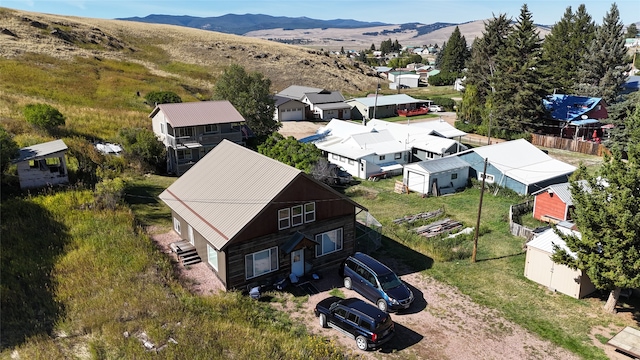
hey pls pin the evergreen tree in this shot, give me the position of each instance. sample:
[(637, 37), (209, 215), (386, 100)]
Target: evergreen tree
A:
[(455, 54), (482, 64), (250, 95), (603, 67), (607, 214), (517, 81), (618, 113), (440, 55), (632, 31), (564, 48), (386, 46), (396, 46)]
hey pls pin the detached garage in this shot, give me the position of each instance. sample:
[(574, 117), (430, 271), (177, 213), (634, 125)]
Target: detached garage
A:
[(540, 268), (438, 176)]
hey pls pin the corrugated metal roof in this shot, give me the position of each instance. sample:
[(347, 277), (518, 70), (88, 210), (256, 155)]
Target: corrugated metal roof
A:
[(199, 113), (387, 100), (569, 107), (440, 127), (548, 238), (343, 129), (226, 189), (333, 106), (522, 161), (297, 92), (40, 150), (442, 164), (324, 98)]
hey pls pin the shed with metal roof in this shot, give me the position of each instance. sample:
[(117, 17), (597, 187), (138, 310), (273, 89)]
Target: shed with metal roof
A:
[(436, 177), (42, 165)]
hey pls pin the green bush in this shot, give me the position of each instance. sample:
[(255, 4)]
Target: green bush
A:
[(443, 78), (162, 97), (142, 146), (446, 103), (8, 149), (43, 116)]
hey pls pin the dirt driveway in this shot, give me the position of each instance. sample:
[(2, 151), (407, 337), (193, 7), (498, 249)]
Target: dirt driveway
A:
[(442, 323)]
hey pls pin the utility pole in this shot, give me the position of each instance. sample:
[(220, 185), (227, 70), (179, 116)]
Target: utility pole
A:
[(475, 237)]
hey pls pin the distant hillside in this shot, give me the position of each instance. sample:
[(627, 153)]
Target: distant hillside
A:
[(242, 24)]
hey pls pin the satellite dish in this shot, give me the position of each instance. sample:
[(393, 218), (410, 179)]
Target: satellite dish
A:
[(584, 117)]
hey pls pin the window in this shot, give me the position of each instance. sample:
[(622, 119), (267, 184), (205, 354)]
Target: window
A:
[(341, 312), (211, 128), (176, 225), (261, 262), (283, 219), (489, 177), (334, 156), (184, 155), (350, 161), (382, 157), (397, 156), (296, 215), (342, 159), (353, 318), (309, 212), (454, 176), (212, 257), (184, 132), (330, 241)]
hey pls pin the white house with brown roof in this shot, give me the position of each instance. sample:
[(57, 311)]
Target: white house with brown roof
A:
[(258, 220), (190, 130), (42, 165)]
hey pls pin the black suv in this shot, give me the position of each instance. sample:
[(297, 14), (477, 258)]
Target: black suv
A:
[(376, 282), (357, 319)]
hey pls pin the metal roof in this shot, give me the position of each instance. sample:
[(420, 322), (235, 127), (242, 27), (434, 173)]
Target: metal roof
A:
[(297, 92), (333, 106), (563, 191), (324, 97), (548, 238), (199, 113), (569, 107), (226, 189), (440, 165), (522, 161), (41, 150), (440, 127), (386, 100)]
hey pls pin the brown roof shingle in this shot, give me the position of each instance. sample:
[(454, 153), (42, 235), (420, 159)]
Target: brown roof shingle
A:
[(199, 113)]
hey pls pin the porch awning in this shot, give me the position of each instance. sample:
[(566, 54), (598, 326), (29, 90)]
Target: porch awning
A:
[(296, 241), (390, 166)]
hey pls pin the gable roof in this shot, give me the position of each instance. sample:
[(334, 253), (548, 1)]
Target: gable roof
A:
[(440, 164), (386, 100), (570, 107), (324, 97), (283, 100), (41, 150), (522, 161), (563, 191), (219, 207), (548, 238), (199, 113), (297, 92)]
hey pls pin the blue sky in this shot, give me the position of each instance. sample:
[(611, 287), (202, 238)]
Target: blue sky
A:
[(389, 11)]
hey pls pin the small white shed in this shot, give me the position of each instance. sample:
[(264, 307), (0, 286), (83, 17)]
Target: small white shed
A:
[(42, 165), (438, 176), (540, 268)]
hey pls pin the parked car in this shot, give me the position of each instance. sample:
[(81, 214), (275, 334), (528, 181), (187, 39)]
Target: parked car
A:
[(376, 282), (363, 322), (403, 86), (435, 108)]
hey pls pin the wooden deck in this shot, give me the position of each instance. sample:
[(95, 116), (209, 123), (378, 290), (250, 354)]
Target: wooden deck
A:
[(627, 341)]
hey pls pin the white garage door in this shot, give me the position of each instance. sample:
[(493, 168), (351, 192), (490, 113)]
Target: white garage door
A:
[(416, 182), (292, 115)]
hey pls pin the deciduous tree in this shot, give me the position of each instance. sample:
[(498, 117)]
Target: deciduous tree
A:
[(250, 95), (8, 149), (290, 151), (162, 97)]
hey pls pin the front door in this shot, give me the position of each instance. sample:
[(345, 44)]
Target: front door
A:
[(297, 262)]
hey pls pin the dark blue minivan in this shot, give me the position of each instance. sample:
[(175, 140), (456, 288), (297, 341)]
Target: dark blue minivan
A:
[(376, 282)]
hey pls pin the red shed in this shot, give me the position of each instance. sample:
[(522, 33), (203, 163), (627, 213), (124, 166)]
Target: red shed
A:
[(552, 204)]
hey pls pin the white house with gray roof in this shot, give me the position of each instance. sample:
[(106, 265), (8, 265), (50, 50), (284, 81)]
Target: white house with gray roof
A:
[(190, 130), (320, 104), (42, 165)]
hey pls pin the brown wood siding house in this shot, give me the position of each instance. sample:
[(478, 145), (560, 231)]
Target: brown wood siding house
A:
[(254, 220)]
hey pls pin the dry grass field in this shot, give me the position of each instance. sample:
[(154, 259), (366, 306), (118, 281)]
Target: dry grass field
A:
[(151, 45)]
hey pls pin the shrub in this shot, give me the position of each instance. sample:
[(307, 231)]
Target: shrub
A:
[(443, 78), (142, 146), (8, 149), (162, 97), (43, 116), (445, 102)]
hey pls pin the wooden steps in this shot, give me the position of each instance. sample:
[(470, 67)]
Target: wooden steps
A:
[(186, 252)]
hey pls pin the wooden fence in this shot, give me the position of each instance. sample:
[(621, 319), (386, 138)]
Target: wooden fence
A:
[(515, 211), (554, 142)]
